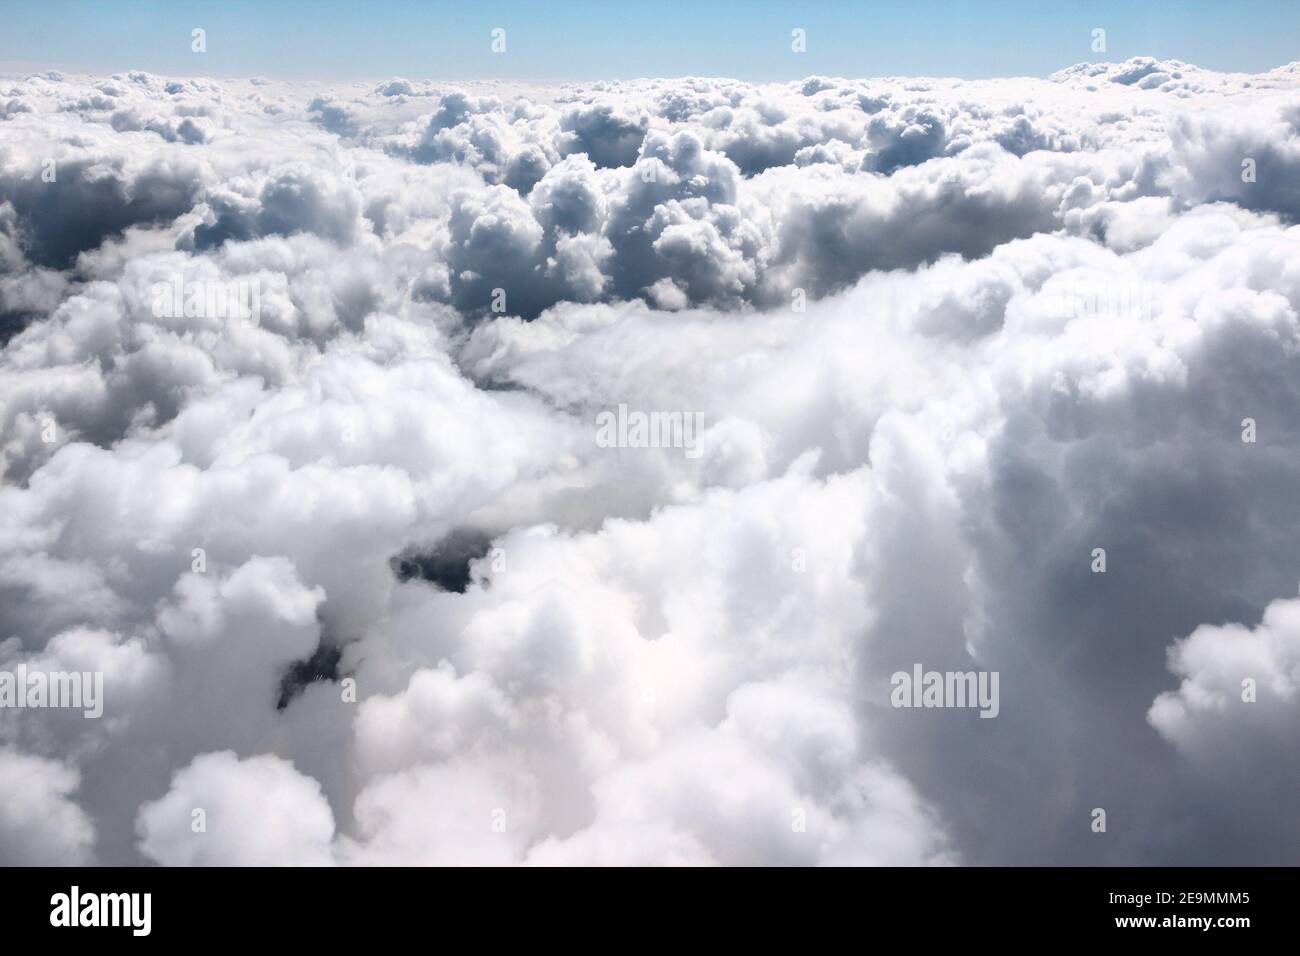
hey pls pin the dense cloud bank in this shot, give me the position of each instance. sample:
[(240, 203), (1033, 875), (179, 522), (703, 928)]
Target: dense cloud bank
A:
[(366, 585)]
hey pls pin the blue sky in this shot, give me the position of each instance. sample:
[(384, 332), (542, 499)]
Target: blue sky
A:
[(578, 39)]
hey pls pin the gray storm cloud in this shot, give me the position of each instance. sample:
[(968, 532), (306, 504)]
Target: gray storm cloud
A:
[(365, 588)]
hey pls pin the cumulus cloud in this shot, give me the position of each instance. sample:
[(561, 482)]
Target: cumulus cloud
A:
[(1225, 671), (254, 812), (40, 823), (366, 588)]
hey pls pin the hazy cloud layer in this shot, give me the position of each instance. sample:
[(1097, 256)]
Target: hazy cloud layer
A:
[(364, 587)]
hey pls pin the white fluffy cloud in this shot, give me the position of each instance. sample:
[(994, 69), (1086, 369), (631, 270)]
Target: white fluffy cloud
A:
[(223, 811), (365, 588), (40, 822), (1240, 689)]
